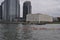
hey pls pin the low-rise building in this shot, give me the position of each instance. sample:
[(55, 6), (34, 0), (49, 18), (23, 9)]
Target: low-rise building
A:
[(39, 18)]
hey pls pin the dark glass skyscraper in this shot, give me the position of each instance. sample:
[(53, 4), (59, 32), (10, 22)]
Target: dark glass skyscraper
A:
[(26, 9)]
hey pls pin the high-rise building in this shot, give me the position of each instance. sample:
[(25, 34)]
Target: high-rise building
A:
[(4, 14), (26, 9), (11, 9), (18, 9), (0, 12)]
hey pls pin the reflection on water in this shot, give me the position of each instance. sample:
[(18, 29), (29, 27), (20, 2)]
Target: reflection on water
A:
[(8, 31), (25, 32), (15, 32)]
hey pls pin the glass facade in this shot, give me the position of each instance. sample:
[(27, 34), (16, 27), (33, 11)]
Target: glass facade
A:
[(26, 9)]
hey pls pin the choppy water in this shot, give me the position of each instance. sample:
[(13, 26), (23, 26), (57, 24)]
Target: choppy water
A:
[(29, 32)]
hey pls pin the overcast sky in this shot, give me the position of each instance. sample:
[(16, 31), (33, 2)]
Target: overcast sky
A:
[(50, 7)]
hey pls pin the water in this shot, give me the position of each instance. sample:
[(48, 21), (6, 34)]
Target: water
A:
[(29, 32)]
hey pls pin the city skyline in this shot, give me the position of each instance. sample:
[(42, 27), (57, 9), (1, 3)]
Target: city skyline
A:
[(51, 7)]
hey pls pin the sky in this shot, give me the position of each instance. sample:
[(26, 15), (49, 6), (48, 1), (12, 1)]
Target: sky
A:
[(49, 7)]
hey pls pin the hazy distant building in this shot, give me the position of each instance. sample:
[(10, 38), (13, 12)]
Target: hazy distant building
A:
[(11, 9), (58, 19), (26, 9), (39, 18), (0, 12)]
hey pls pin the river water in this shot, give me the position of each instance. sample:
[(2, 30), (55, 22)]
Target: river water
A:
[(29, 32)]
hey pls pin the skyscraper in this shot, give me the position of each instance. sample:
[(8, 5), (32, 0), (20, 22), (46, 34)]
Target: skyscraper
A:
[(4, 14), (0, 12), (12, 9), (26, 9)]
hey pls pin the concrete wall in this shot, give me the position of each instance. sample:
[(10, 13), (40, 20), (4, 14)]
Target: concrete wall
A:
[(45, 18)]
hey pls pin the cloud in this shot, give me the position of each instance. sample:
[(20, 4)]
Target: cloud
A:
[(1, 1), (51, 7)]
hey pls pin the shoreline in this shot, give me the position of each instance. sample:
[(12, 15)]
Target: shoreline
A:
[(6, 22)]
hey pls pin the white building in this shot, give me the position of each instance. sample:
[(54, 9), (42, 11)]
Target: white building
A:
[(39, 18)]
